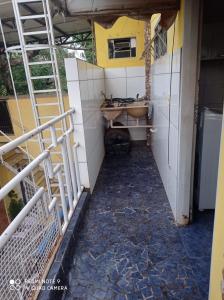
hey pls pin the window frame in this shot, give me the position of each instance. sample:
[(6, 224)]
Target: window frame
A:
[(132, 50)]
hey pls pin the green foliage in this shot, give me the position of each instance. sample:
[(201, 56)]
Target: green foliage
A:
[(15, 205), (88, 45), (37, 70), (3, 90), (40, 70)]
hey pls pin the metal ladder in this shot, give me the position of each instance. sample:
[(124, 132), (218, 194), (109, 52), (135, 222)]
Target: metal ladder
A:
[(50, 48)]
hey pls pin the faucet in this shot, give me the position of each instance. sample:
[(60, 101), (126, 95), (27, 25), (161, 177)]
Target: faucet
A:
[(137, 96), (104, 95), (111, 99)]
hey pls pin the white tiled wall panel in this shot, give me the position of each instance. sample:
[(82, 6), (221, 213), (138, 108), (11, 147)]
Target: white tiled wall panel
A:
[(85, 84), (135, 72), (126, 82), (135, 85), (117, 87), (115, 73), (165, 120), (75, 98), (175, 98)]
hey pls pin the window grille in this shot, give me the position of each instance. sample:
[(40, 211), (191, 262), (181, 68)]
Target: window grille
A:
[(121, 48), (160, 42)]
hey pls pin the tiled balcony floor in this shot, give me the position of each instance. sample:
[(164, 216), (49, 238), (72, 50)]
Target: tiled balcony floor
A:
[(129, 247)]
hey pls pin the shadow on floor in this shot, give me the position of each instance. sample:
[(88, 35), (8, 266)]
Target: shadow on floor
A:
[(129, 247)]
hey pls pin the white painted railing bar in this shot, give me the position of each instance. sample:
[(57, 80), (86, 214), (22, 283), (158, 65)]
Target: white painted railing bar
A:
[(77, 169), (72, 168), (20, 148), (50, 168), (53, 136), (56, 169), (67, 173), (6, 235), (63, 199), (58, 141), (20, 176), (15, 171), (15, 143), (52, 204)]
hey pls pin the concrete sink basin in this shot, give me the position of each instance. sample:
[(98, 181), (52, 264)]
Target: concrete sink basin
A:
[(111, 114), (137, 109)]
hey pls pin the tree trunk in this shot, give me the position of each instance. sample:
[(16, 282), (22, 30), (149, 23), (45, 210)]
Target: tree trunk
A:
[(147, 52)]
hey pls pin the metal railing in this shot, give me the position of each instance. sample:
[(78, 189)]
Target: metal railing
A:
[(29, 243)]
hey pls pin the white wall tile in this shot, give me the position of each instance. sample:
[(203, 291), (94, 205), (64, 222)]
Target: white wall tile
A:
[(95, 163), (84, 177), (135, 71), (71, 69), (82, 69), (90, 89), (115, 87), (83, 84), (177, 61), (175, 99), (160, 86), (172, 191), (80, 138), (75, 100), (89, 71), (135, 85), (173, 147), (98, 73), (162, 65), (115, 72)]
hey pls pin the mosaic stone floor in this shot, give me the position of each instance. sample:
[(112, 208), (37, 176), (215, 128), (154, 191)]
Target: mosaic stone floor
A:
[(129, 247)]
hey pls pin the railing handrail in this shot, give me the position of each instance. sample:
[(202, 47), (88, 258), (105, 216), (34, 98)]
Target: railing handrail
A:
[(21, 175), (20, 148), (18, 141), (70, 165)]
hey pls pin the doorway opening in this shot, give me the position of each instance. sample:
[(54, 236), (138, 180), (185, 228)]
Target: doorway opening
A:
[(209, 110)]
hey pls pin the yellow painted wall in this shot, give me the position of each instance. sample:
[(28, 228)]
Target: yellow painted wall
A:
[(217, 263), (179, 30), (123, 28)]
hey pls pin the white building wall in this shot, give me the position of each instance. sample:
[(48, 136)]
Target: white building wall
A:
[(165, 95), (85, 83), (127, 82)]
